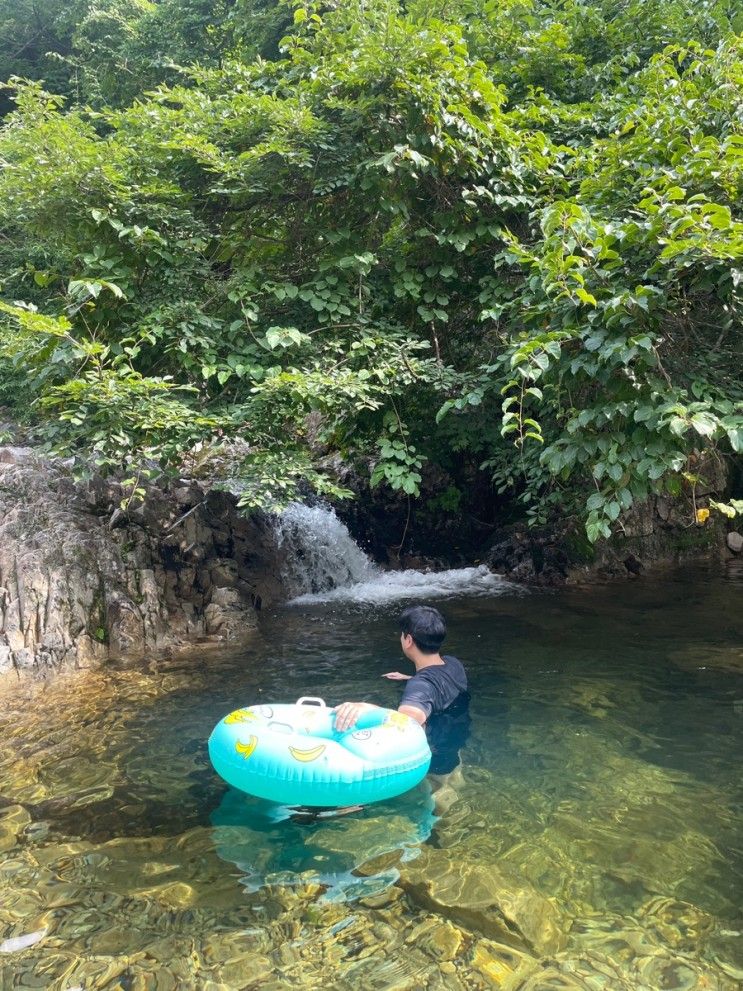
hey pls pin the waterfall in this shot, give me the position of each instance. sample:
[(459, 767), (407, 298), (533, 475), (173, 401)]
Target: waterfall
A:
[(323, 563), (319, 553)]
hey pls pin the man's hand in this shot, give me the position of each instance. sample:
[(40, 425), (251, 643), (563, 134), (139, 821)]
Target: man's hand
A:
[(396, 676), (347, 713)]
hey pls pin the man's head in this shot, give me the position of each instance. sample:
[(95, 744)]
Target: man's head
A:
[(426, 628)]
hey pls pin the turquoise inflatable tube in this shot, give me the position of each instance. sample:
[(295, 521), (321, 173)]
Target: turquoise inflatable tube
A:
[(292, 754)]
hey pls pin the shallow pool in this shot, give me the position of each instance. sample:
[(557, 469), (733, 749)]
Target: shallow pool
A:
[(593, 838)]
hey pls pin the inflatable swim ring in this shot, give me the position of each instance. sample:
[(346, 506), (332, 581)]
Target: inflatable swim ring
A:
[(292, 754)]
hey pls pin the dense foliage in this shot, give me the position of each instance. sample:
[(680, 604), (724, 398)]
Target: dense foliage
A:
[(494, 233)]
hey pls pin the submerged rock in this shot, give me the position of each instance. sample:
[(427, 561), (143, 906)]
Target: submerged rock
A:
[(17, 943), (13, 820), (486, 899), (501, 966)]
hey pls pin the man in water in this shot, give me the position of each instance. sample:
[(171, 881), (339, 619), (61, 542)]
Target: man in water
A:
[(438, 682), (436, 696)]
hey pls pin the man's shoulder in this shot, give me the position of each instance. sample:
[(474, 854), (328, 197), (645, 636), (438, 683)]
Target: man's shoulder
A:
[(443, 674), (454, 663), (435, 672)]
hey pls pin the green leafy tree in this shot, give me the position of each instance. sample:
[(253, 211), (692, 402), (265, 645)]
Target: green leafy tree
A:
[(501, 237)]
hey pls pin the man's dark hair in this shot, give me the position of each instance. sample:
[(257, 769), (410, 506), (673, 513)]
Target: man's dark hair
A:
[(426, 626)]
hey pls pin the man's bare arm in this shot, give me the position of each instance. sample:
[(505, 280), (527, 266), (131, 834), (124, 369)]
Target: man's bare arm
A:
[(414, 712), (347, 713)]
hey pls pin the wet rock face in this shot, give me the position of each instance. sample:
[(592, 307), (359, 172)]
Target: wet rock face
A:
[(83, 581), (659, 531)]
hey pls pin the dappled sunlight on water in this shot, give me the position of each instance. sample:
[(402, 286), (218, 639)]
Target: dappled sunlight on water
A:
[(593, 840)]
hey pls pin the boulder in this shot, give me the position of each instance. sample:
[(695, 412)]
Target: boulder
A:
[(735, 541), (16, 455)]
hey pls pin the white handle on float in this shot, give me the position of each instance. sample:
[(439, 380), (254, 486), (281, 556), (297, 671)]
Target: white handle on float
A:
[(285, 727), (306, 699)]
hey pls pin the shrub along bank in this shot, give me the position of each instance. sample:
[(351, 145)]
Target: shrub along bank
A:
[(493, 244)]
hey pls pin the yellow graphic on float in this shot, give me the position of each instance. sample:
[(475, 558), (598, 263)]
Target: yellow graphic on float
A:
[(397, 720), (309, 720), (240, 716), (246, 749), (305, 756)]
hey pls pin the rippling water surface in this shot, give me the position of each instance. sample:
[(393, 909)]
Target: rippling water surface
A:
[(592, 840)]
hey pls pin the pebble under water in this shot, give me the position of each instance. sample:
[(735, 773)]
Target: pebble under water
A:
[(593, 838)]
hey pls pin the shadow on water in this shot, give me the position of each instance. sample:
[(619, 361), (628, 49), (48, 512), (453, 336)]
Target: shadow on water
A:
[(268, 846)]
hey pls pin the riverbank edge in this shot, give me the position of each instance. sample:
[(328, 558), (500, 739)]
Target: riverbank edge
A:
[(88, 579)]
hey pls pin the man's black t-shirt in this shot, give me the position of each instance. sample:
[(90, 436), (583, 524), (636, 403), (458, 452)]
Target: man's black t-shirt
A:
[(435, 688), (447, 733)]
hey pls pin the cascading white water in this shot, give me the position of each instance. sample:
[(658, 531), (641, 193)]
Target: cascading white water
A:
[(319, 553), (323, 563)]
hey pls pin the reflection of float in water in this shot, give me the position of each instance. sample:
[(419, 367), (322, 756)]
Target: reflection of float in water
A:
[(263, 841)]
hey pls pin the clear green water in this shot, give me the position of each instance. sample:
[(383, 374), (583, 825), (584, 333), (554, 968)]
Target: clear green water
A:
[(595, 840)]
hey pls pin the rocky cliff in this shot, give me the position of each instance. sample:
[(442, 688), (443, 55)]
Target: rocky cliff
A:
[(83, 582), (659, 532)]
